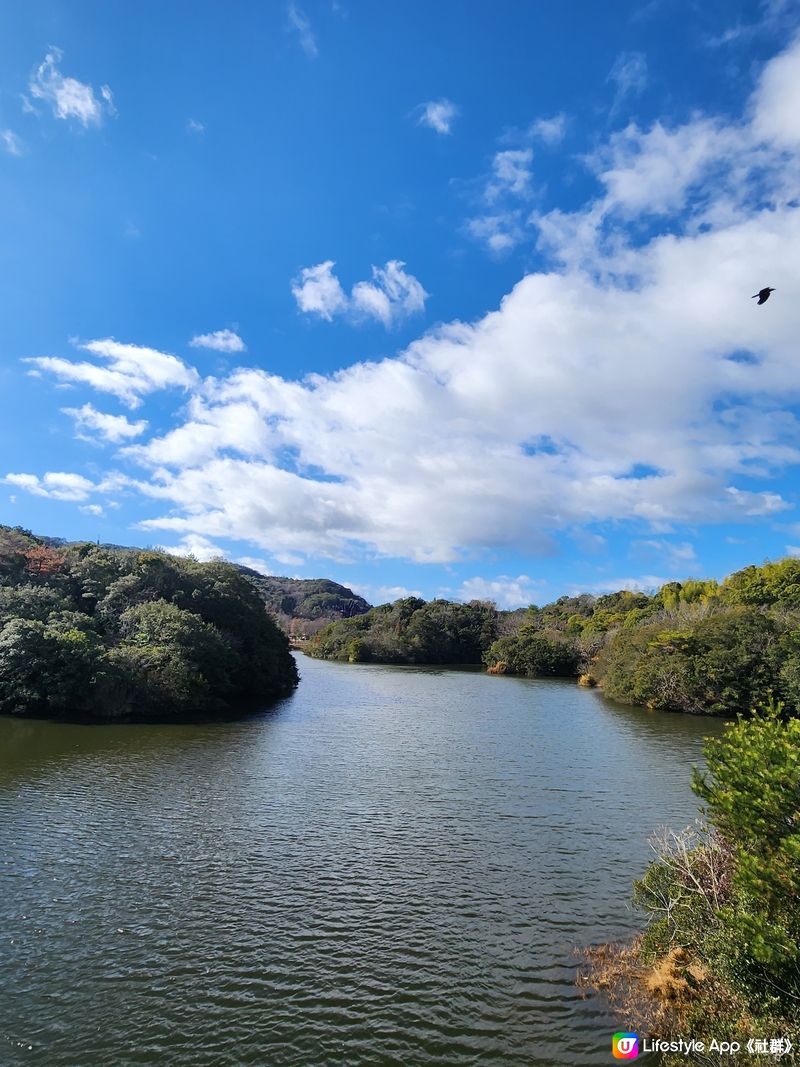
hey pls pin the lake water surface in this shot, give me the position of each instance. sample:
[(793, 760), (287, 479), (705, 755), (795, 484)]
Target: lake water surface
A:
[(392, 867)]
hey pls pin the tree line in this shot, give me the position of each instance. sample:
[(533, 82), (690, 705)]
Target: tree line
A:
[(698, 646), (88, 631)]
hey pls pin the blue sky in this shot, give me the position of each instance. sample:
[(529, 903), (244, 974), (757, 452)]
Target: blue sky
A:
[(446, 298)]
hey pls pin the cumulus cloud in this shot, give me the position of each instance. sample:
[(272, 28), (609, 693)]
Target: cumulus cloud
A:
[(91, 424), (298, 23), (132, 371), (318, 291), (706, 173), (219, 341), (58, 485), (69, 98), (437, 115), (391, 296), (603, 390)]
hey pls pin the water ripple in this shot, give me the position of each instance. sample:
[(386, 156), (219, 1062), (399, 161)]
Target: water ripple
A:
[(392, 868)]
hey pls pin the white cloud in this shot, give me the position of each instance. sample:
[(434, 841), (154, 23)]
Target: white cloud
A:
[(318, 291), (133, 371), (200, 547), (381, 594), (193, 126), (389, 297), (92, 509), (220, 341), (68, 97), (392, 294), (437, 115), (500, 232), (511, 174), (255, 563), (428, 455), (91, 424), (299, 24), (507, 593), (776, 101), (706, 173), (609, 390), (11, 143), (57, 485), (502, 227), (549, 130)]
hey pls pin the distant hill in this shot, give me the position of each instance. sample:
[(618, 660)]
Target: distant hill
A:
[(302, 606)]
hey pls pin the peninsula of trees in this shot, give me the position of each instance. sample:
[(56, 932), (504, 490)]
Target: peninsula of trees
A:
[(95, 632), (701, 647)]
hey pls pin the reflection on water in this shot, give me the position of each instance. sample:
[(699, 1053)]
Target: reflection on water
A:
[(391, 867)]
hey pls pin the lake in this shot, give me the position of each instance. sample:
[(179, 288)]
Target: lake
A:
[(393, 866)]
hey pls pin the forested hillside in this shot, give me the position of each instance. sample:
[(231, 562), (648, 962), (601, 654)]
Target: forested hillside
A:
[(301, 606), (88, 631), (411, 631), (697, 646)]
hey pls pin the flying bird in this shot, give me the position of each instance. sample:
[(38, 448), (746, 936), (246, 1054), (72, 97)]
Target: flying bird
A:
[(763, 294)]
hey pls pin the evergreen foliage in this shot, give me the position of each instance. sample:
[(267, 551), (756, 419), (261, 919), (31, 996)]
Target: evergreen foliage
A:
[(96, 632), (411, 631)]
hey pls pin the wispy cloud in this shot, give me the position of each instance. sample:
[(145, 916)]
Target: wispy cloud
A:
[(68, 97), (511, 174), (500, 232), (298, 23), (549, 130), (11, 143), (437, 115), (677, 556), (193, 126), (219, 341), (391, 296), (629, 75)]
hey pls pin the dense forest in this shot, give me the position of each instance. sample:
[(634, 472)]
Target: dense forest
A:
[(697, 646), (88, 631), (302, 606), (410, 631)]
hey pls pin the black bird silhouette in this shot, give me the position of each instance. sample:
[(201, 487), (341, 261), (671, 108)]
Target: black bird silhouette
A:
[(763, 294)]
